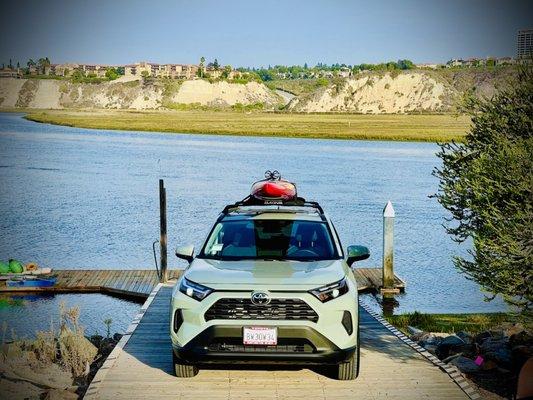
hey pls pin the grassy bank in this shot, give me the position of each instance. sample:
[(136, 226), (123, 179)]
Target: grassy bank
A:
[(429, 128), (450, 323)]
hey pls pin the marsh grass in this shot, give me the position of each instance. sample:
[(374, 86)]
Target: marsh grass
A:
[(186, 119), (451, 323)]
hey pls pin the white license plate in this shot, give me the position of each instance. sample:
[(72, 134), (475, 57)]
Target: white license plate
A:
[(260, 335)]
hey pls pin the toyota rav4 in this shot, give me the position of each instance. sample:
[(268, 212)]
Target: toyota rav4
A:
[(271, 284)]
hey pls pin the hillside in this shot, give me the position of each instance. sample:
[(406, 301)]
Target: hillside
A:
[(369, 92), (402, 92), (138, 95)]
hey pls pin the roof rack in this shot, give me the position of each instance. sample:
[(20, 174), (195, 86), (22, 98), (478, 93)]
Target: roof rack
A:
[(252, 201)]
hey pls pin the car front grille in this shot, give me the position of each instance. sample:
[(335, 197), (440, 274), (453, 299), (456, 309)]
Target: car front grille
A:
[(277, 309)]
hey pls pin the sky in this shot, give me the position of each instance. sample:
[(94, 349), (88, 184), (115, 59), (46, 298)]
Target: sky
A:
[(254, 34)]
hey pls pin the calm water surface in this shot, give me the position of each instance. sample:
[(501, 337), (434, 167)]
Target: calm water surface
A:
[(80, 198)]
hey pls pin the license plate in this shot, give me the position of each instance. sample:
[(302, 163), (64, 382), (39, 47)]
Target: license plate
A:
[(260, 335)]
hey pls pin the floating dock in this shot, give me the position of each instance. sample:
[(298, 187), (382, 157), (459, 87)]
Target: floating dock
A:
[(140, 282)]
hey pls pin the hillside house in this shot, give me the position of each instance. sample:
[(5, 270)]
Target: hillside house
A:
[(176, 71)]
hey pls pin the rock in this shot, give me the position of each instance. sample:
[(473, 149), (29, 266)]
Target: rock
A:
[(117, 337), (106, 347), (431, 348), (414, 331), (488, 365), (55, 394), (96, 340), (450, 345), (502, 357), (494, 344), (510, 329), (482, 336), (450, 358), (428, 339), (465, 365), (466, 337), (522, 338), (519, 356)]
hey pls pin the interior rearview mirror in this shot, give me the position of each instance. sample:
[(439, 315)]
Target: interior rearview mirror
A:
[(356, 253), (185, 252)]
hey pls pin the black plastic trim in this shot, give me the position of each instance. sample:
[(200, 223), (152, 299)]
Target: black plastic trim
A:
[(197, 350)]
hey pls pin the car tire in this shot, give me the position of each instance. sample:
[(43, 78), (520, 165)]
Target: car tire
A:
[(182, 369), (349, 370)]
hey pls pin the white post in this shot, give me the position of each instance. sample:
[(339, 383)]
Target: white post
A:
[(388, 249)]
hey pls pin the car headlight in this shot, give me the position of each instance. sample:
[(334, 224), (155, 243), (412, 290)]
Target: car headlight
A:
[(331, 291), (194, 290)]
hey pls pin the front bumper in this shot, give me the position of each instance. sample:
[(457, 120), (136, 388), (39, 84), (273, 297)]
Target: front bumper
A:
[(324, 341), (296, 345)]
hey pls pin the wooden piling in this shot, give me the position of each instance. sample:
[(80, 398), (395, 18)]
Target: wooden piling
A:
[(163, 230), (388, 250)]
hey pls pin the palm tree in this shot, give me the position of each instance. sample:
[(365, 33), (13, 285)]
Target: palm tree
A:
[(202, 61)]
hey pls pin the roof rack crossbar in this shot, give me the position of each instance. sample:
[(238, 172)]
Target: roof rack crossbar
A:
[(252, 201)]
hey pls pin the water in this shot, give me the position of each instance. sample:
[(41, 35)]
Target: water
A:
[(80, 198), (27, 314)]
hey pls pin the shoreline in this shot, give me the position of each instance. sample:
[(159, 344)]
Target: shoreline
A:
[(387, 127)]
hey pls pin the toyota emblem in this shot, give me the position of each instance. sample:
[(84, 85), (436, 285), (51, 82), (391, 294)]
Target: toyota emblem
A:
[(260, 298)]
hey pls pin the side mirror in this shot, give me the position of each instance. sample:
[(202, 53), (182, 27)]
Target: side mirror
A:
[(357, 253), (185, 252)]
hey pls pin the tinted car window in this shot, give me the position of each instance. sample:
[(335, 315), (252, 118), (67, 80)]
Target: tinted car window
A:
[(270, 239)]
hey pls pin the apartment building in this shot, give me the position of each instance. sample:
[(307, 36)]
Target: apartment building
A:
[(525, 44), (176, 71)]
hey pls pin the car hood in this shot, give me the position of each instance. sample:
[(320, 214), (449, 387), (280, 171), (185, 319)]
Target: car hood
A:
[(251, 273)]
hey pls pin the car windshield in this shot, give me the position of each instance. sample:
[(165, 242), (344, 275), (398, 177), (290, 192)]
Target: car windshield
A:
[(270, 239)]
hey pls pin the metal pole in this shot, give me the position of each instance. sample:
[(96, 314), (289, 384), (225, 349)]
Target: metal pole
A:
[(388, 248), (163, 231)]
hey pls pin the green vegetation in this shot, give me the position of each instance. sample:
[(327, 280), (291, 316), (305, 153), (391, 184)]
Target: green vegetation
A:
[(451, 323), (325, 126), (111, 74), (486, 185)]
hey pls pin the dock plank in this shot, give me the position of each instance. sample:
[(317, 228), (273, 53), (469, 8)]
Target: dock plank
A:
[(141, 368)]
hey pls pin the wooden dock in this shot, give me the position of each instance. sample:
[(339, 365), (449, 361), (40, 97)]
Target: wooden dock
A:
[(140, 367), (140, 282)]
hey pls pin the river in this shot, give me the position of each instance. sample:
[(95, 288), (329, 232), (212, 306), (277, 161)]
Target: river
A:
[(81, 198)]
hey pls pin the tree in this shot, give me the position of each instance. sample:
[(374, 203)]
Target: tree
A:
[(77, 75), (201, 69), (145, 74), (216, 65), (226, 72), (42, 64), (486, 184), (111, 74), (405, 64)]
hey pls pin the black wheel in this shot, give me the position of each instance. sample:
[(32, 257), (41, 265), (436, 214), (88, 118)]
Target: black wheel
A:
[(349, 370), (182, 369)]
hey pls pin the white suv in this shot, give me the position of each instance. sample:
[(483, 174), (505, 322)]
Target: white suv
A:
[(271, 284)]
